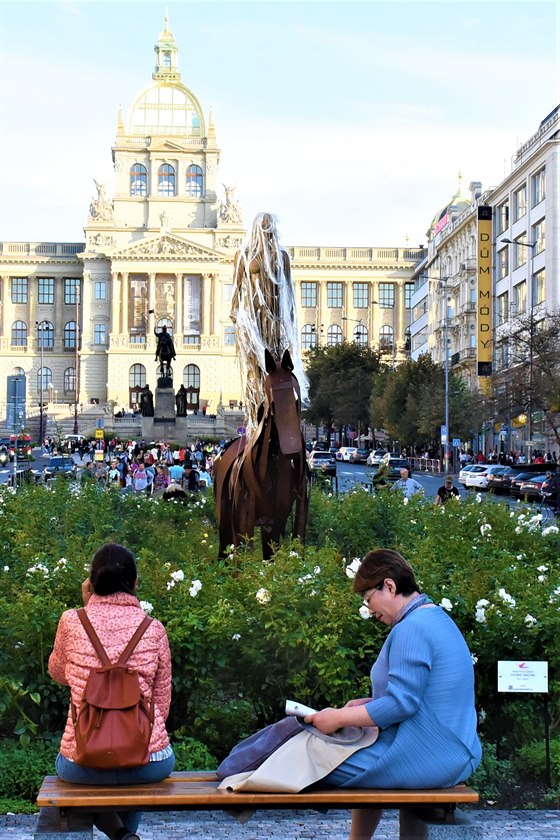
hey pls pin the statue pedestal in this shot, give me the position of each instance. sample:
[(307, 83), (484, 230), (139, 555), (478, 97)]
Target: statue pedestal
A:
[(164, 409)]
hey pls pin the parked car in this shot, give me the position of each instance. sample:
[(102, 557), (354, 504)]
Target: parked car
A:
[(499, 482), (322, 462), (345, 453), (520, 482), (479, 480), (59, 465), (360, 456), (375, 456), (504, 481), (464, 471), (531, 489)]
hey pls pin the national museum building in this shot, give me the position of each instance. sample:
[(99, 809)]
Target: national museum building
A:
[(75, 323)]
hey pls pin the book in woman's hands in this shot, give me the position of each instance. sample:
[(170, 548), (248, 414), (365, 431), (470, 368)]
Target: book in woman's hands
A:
[(298, 709)]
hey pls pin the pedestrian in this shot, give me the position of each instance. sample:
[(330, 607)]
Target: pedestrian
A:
[(446, 491), (409, 487)]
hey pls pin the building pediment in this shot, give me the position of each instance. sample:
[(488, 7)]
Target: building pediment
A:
[(165, 246), (161, 145)]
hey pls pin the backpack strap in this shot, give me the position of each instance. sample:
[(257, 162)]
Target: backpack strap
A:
[(100, 650)]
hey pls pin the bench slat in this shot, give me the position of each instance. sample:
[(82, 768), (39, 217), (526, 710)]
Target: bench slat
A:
[(199, 791)]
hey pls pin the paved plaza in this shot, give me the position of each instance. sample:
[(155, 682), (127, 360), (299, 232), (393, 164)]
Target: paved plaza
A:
[(281, 825)]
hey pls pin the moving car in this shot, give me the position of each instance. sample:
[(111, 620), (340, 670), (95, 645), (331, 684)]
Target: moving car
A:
[(360, 456), (375, 456), (322, 462), (345, 453), (23, 446), (59, 465), (395, 467)]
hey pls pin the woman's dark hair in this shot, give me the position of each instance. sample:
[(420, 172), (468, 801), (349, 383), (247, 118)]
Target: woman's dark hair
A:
[(113, 569), (382, 563)]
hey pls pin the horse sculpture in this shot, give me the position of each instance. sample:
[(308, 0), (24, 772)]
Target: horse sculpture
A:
[(165, 351), (257, 481)]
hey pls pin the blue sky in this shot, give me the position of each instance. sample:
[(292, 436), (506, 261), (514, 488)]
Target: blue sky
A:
[(348, 120)]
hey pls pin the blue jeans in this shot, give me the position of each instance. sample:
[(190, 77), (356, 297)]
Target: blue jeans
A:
[(153, 771)]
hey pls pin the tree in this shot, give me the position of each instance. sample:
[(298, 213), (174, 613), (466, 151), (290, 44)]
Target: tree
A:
[(340, 384), (529, 381)]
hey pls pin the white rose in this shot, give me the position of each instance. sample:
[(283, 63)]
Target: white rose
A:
[(446, 604), (263, 596)]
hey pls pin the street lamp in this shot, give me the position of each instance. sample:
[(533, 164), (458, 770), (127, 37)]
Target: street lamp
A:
[(532, 246), (40, 325)]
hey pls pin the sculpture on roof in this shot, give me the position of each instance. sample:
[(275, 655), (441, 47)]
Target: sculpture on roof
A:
[(230, 211), (101, 208)]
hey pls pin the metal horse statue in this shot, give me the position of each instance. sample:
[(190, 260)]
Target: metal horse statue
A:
[(257, 481), (165, 351)]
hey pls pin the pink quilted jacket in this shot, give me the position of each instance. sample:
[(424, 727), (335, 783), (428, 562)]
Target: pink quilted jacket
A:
[(114, 618)]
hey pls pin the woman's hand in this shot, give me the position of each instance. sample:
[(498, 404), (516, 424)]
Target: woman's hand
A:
[(326, 721), (86, 591)]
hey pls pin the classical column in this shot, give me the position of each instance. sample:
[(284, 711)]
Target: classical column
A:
[(116, 307), (151, 301), (178, 332), (125, 298)]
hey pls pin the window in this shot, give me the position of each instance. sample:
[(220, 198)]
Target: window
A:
[(419, 339), (503, 262), (386, 336), (420, 309), (45, 290), (100, 290), (70, 380), (100, 333), (538, 236), (502, 304), (191, 376), (334, 296), (227, 292), (69, 340), (194, 181), (386, 295), (504, 354), (408, 292), (44, 379), (520, 298), (309, 295), (229, 337), (165, 322), (19, 334), (334, 335), (539, 285), (137, 376), (520, 251), (138, 180), (72, 286), (45, 335), (166, 180), (361, 335), (308, 337), (520, 202), (19, 289), (361, 295), (502, 217), (538, 187)]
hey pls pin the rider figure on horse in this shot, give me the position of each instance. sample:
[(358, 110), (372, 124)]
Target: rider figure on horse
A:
[(165, 350)]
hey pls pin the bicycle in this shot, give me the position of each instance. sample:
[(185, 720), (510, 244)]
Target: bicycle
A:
[(548, 509)]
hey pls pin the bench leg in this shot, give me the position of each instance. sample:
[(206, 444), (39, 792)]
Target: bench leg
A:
[(54, 825), (430, 824)]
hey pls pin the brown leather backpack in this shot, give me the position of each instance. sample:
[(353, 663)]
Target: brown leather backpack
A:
[(113, 725)]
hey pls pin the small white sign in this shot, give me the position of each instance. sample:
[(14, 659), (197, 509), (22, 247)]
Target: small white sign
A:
[(530, 677)]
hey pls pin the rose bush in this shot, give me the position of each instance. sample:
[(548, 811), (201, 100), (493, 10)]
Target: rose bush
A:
[(246, 634)]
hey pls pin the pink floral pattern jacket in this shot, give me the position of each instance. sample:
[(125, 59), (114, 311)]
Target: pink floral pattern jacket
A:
[(114, 618)]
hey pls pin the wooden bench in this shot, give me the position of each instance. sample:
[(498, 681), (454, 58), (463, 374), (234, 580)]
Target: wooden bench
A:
[(66, 809)]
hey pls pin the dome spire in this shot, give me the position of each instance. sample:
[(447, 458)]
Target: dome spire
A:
[(167, 65)]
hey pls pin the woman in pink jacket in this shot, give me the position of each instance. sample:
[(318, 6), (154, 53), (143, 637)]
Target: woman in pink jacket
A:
[(115, 612)]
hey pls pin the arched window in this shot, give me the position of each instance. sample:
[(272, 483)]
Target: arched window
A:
[(194, 181), (45, 335), (165, 322), (137, 376), (334, 335), (44, 374), (191, 376), (19, 334), (308, 337), (166, 180), (386, 338), (70, 380), (70, 335), (138, 179), (361, 335)]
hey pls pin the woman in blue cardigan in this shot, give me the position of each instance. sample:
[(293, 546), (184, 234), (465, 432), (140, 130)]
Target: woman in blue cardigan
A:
[(422, 694)]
